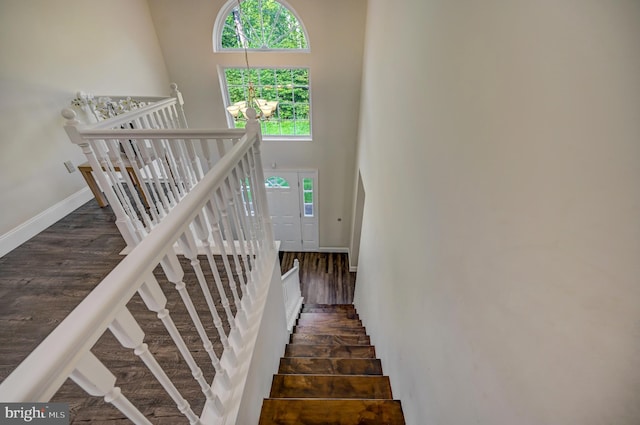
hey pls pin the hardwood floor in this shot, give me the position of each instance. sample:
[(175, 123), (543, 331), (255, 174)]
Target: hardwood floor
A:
[(325, 277), (44, 279)]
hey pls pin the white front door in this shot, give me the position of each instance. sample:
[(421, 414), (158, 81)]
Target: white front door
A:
[(292, 207)]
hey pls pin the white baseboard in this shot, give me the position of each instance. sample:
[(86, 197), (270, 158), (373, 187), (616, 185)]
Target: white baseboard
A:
[(19, 235), (341, 250)]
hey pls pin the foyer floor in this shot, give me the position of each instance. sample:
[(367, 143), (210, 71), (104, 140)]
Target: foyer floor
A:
[(45, 278)]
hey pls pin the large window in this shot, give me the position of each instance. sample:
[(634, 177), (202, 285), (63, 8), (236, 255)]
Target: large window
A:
[(286, 90), (260, 25), (280, 96)]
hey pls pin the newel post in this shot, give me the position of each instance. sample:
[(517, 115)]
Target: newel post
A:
[(126, 227), (253, 127), (180, 103)]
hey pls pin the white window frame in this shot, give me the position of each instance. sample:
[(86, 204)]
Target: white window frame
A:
[(222, 17), (267, 137)]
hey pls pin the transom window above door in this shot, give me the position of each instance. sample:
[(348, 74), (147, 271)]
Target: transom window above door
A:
[(276, 182)]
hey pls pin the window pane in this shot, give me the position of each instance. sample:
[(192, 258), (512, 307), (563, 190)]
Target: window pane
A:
[(283, 76), (291, 116), (307, 184), (301, 77), (276, 182), (308, 210), (262, 24)]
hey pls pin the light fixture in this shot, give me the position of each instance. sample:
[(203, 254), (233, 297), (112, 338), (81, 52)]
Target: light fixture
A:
[(265, 108)]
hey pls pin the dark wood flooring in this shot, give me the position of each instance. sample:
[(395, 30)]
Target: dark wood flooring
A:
[(324, 277), (44, 279)]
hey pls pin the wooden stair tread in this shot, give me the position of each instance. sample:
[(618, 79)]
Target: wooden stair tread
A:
[(330, 306), (329, 330), (324, 308), (327, 365), (313, 350), (331, 412), (329, 315), (331, 322), (329, 374), (330, 386), (330, 339)]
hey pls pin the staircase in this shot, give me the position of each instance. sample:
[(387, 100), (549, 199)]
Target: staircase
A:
[(330, 375)]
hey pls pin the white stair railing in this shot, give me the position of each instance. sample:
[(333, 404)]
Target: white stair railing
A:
[(292, 295), (145, 160), (228, 206)]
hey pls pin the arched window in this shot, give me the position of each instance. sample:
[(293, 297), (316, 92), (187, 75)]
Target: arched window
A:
[(276, 182), (259, 25), (280, 95)]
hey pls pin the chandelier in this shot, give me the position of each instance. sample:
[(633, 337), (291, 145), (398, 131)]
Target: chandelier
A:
[(265, 108)]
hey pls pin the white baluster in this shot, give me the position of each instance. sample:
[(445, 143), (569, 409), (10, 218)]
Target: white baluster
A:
[(180, 102), (261, 194), (126, 329), (173, 270), (199, 225), (227, 231), (214, 220), (188, 245), (156, 301), (251, 213), (93, 377), (257, 207), (245, 221), (101, 148), (138, 169), (161, 201), (115, 147), (123, 222), (238, 223)]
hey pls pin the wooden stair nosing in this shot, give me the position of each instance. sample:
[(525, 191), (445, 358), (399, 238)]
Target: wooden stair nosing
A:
[(328, 330), (328, 308), (329, 365), (334, 306), (323, 339), (328, 315)]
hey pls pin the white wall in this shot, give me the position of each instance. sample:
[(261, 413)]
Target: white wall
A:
[(500, 255), (336, 32), (50, 50)]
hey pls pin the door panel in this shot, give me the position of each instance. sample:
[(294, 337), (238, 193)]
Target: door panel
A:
[(295, 230), (284, 208)]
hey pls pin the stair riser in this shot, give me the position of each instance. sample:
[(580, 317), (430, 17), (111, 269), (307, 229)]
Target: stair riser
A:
[(332, 315), (336, 351), (328, 330), (345, 323), (328, 309), (330, 339), (328, 366)]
